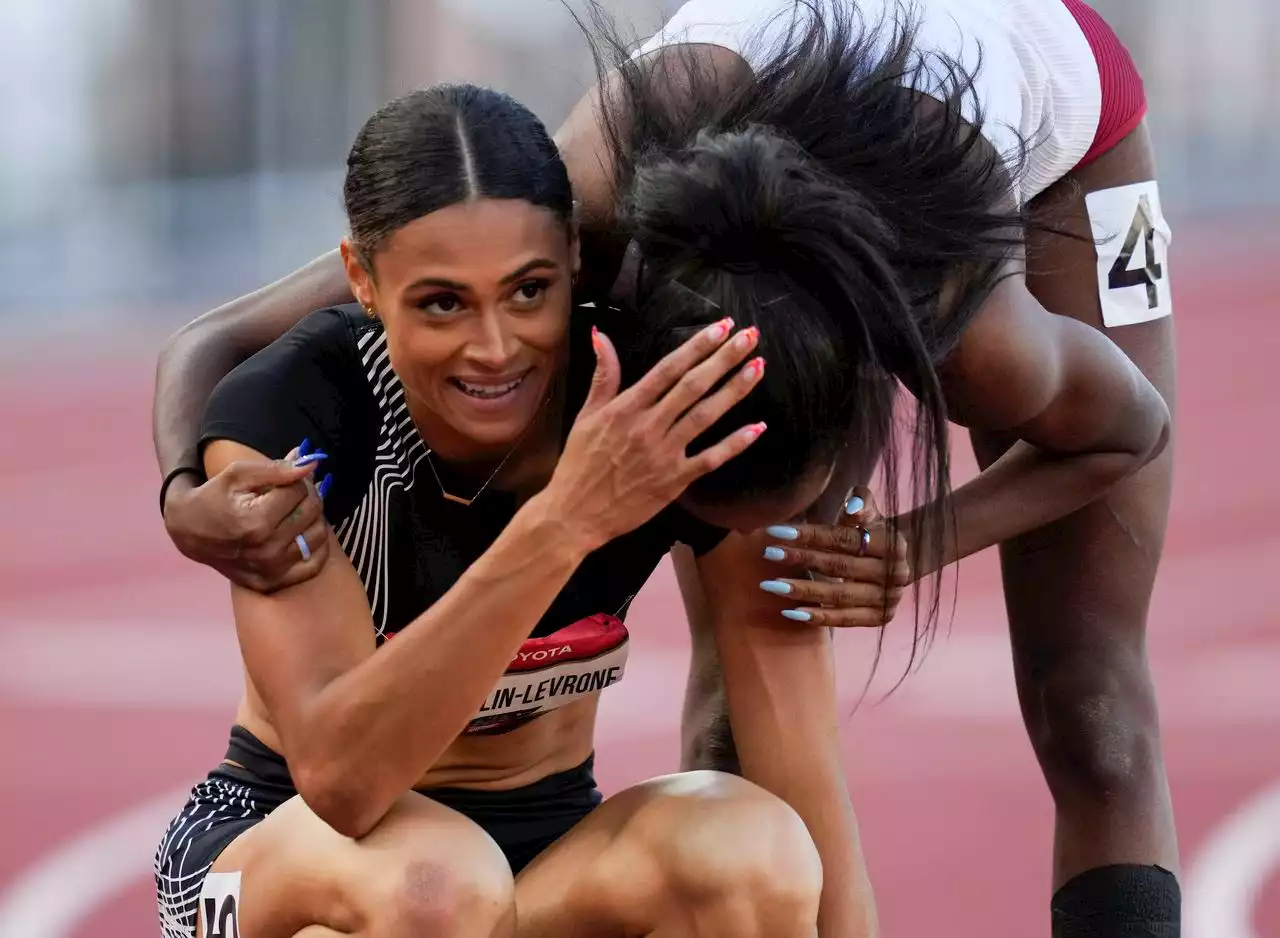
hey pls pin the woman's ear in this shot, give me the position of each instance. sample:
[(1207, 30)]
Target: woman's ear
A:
[(358, 277)]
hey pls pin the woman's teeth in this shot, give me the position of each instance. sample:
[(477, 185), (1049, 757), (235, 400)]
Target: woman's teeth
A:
[(488, 391)]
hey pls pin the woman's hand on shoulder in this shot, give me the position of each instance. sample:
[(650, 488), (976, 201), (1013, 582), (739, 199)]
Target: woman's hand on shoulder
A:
[(625, 458), (245, 520), (849, 574)]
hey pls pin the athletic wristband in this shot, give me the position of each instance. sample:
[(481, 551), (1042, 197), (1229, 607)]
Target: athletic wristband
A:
[(168, 480)]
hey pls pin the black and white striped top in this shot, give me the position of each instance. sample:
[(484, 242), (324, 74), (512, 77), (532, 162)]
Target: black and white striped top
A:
[(330, 380)]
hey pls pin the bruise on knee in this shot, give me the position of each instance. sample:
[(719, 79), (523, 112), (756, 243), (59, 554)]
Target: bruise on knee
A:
[(446, 896), (427, 883)]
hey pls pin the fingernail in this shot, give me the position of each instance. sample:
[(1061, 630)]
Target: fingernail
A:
[(797, 615), (304, 447), (753, 369), (309, 459), (747, 337), (783, 532), (754, 431), (777, 587), (775, 553), (853, 506), (718, 330), (595, 338), (323, 488)]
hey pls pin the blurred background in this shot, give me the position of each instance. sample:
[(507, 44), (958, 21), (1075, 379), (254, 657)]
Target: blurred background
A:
[(158, 157)]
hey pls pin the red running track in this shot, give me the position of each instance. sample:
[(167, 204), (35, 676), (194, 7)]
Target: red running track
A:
[(118, 669)]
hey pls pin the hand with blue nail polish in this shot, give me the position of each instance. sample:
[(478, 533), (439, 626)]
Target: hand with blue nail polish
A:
[(246, 521), (848, 574), (777, 587)]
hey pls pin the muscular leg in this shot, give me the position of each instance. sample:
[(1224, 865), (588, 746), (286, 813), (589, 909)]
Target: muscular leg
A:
[(697, 855), (424, 870), (1078, 591)]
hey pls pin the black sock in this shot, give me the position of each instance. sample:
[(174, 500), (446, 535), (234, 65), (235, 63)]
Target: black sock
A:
[(1122, 901)]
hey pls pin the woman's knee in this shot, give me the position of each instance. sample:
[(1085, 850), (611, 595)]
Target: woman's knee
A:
[(1095, 725), (429, 870), (424, 869), (438, 893), (721, 842)]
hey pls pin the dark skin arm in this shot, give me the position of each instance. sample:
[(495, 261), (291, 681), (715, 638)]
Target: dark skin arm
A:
[(242, 521), (201, 353), (1084, 416)]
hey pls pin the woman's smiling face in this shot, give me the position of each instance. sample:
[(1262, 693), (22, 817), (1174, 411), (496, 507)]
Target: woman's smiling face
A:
[(475, 299)]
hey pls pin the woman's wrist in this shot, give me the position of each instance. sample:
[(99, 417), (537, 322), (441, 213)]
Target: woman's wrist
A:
[(550, 521), (178, 482)]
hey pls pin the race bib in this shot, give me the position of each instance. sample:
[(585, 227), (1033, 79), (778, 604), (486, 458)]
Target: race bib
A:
[(554, 670), (219, 905), (1132, 240)]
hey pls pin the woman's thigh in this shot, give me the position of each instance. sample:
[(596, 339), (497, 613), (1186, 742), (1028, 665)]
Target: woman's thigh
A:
[(425, 869), (1093, 572), (689, 854)]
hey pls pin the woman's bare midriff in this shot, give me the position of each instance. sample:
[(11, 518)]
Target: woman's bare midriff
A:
[(555, 742)]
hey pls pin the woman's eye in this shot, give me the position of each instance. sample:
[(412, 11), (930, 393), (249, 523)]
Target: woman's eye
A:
[(530, 292), (441, 305)]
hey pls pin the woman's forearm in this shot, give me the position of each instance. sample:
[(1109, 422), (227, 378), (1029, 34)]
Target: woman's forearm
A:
[(783, 708), (1083, 415), (372, 731), (201, 353), (780, 689), (1024, 489)]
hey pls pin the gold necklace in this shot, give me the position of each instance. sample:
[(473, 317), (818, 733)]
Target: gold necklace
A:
[(466, 502)]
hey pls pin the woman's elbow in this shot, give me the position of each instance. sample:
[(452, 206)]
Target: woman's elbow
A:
[(338, 797), (1156, 428)]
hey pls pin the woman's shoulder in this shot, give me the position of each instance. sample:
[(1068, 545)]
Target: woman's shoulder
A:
[(313, 378), (331, 329), (324, 347)]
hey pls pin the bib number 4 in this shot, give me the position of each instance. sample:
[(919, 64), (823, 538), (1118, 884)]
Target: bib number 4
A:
[(1122, 274), (1132, 241)]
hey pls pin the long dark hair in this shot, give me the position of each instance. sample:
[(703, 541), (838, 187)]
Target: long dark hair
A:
[(830, 204)]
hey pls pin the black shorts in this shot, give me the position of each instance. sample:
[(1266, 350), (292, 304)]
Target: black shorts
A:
[(523, 821)]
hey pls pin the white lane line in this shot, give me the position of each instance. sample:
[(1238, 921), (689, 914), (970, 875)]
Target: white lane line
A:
[(57, 892), (1222, 886)]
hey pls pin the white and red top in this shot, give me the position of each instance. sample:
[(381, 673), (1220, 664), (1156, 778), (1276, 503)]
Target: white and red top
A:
[(1050, 72)]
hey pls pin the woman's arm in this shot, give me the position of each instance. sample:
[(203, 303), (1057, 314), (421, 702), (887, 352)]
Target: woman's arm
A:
[(1084, 416), (241, 522), (203, 352), (359, 727), (780, 685)]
